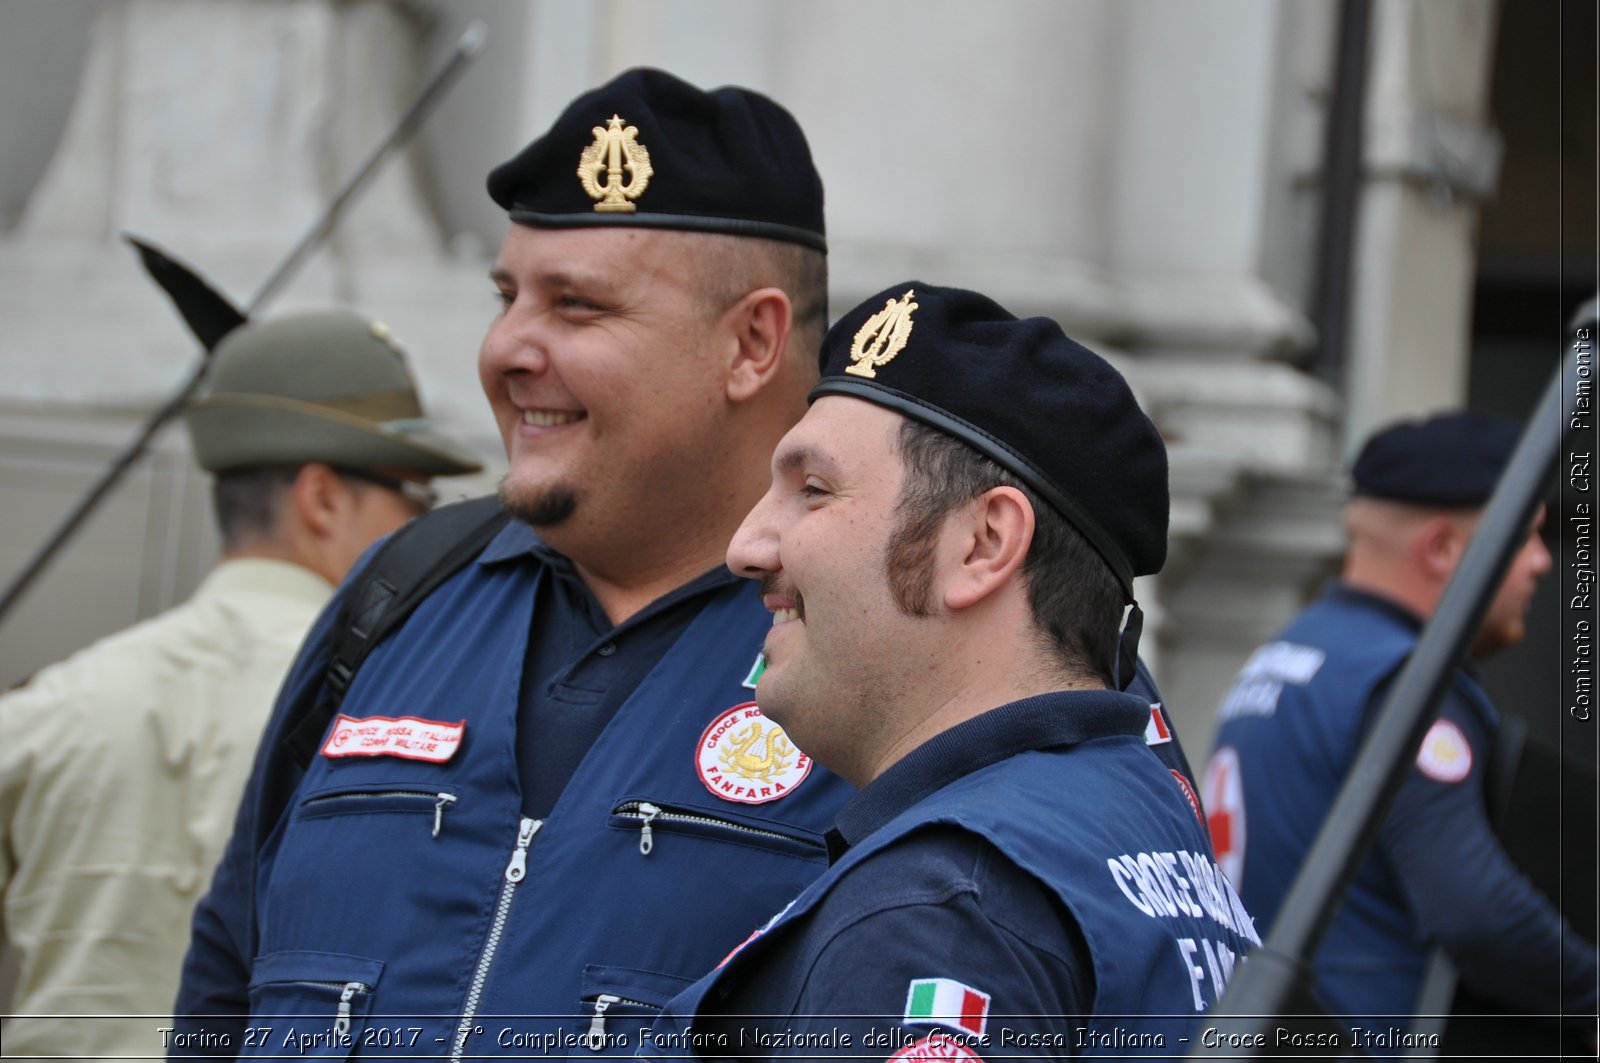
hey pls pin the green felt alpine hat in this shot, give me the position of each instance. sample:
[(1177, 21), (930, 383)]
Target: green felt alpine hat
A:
[(317, 385)]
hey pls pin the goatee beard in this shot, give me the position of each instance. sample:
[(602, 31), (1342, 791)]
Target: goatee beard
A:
[(541, 509)]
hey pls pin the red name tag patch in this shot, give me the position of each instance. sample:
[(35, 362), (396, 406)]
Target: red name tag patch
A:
[(387, 736)]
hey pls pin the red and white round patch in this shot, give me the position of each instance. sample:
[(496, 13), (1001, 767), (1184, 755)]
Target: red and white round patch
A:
[(1224, 790), (1188, 795), (1446, 755), (745, 757), (937, 1048)]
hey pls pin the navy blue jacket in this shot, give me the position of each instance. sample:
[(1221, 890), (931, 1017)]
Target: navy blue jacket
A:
[(1035, 865), (419, 891), (424, 893), (1290, 728)]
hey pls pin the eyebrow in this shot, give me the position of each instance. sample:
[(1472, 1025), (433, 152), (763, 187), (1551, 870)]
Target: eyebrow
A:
[(557, 279), (803, 454)]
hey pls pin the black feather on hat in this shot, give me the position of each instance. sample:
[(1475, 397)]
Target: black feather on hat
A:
[(310, 385)]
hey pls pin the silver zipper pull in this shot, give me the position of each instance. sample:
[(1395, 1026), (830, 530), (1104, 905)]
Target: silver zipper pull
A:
[(517, 869), (597, 1025), (440, 801), (341, 1024), (646, 842)]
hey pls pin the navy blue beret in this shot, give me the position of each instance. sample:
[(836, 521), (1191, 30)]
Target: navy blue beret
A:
[(1451, 459), (1044, 407), (651, 150)]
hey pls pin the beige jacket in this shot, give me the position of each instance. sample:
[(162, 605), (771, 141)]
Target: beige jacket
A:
[(120, 771)]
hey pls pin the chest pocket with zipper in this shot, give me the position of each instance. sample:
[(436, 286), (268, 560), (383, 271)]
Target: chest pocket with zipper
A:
[(619, 1004), (413, 799), (310, 1004), (656, 823)]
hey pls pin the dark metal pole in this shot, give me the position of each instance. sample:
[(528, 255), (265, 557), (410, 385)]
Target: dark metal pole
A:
[(1273, 978), (1341, 188), (466, 49)]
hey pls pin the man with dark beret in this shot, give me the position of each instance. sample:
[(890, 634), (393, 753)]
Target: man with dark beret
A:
[(599, 810), (947, 549), (548, 800), (1292, 723)]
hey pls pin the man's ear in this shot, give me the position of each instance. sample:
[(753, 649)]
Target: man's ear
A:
[(319, 497), (1438, 547), (983, 546), (760, 324)]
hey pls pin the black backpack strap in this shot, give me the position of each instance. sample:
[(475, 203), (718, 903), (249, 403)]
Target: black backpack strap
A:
[(403, 572)]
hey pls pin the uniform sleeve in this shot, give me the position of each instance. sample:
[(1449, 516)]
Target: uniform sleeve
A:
[(213, 1003), (1505, 937), (1002, 968)]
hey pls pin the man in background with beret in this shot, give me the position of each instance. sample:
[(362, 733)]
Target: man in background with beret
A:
[(597, 811), (121, 766), (947, 548), (1293, 720)]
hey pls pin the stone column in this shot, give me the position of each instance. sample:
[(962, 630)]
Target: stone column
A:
[(219, 129), (1431, 157)]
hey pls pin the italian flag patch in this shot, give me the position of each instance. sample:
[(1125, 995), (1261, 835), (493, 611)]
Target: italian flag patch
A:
[(759, 666), (946, 1002)]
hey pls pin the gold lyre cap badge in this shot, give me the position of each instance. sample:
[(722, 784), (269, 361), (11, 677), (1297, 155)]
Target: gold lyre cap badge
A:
[(615, 148), (882, 336)]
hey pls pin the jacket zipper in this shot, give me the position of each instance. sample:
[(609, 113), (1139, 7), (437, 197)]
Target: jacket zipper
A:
[(516, 871), (347, 993), (441, 801), (341, 1022), (597, 1025), (647, 814)]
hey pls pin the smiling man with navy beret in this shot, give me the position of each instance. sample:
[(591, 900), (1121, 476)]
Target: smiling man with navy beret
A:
[(947, 547), (548, 800)]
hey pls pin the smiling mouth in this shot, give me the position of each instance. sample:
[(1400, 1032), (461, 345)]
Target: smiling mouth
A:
[(549, 418), (784, 604)]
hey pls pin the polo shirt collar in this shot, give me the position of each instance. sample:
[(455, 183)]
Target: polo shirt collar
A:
[(515, 541), (518, 541)]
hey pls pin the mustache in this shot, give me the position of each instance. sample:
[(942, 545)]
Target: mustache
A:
[(772, 584)]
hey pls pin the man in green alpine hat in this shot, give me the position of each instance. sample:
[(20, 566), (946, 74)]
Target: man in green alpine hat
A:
[(123, 763)]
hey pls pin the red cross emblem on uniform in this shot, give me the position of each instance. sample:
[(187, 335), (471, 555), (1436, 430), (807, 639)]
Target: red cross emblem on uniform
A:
[(1225, 819)]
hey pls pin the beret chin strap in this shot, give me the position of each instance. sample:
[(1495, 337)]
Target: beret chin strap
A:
[(1128, 647)]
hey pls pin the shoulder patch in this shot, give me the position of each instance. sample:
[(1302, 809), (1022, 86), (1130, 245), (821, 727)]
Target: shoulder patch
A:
[(1446, 755), (753, 677), (947, 1002), (1189, 795), (1156, 732), (746, 758)]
